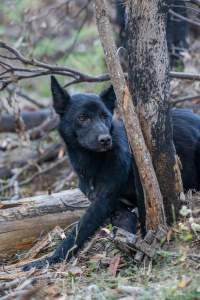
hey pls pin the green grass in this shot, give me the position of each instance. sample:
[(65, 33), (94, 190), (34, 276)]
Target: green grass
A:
[(163, 280)]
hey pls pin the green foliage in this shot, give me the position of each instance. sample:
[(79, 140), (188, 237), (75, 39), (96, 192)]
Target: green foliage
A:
[(45, 47), (179, 66), (14, 10), (2, 30)]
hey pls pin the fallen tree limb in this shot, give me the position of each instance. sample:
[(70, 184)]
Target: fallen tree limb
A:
[(42, 121), (129, 243), (22, 222), (30, 118)]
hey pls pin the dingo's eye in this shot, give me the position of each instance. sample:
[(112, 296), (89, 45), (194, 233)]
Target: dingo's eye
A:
[(83, 118)]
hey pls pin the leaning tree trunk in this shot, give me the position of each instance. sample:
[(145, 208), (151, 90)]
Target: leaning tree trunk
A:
[(149, 86), (155, 215)]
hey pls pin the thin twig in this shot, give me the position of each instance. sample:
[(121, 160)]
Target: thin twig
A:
[(187, 76), (196, 10), (192, 22), (197, 97)]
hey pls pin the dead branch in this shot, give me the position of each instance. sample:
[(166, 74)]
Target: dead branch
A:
[(11, 73), (185, 99), (132, 245), (20, 93), (186, 76), (42, 121), (196, 10), (181, 17), (31, 119)]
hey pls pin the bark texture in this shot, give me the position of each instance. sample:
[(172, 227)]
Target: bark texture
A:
[(153, 199), (149, 87), (22, 222)]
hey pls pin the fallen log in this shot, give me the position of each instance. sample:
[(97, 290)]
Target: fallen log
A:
[(31, 119), (23, 221)]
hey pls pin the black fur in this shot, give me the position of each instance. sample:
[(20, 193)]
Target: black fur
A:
[(105, 170)]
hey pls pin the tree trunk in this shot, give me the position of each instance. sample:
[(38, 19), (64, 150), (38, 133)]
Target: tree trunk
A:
[(22, 222), (149, 87), (153, 198)]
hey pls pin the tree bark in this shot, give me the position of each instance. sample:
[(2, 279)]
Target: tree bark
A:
[(149, 87), (22, 221), (153, 198)]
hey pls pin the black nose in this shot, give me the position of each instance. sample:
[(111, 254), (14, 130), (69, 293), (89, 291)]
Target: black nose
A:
[(104, 139)]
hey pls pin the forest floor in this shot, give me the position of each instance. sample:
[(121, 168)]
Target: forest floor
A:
[(102, 271)]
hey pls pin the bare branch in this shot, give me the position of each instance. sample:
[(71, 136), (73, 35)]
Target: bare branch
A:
[(192, 22), (196, 10), (22, 94), (32, 68), (13, 73), (185, 99), (187, 76)]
